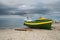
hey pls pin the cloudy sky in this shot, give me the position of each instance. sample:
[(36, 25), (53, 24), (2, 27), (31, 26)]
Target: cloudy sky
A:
[(18, 7)]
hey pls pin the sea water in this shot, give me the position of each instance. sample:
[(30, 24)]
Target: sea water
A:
[(11, 21), (17, 21)]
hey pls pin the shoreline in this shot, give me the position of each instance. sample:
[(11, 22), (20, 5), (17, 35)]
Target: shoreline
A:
[(35, 34)]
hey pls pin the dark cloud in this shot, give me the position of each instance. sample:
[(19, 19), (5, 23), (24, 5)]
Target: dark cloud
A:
[(5, 10), (40, 8)]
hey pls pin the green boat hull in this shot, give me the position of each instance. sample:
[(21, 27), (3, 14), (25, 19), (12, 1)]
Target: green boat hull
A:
[(41, 26)]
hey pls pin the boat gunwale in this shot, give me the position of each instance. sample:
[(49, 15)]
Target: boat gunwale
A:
[(37, 23)]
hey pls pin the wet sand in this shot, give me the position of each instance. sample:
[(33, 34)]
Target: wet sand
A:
[(35, 34)]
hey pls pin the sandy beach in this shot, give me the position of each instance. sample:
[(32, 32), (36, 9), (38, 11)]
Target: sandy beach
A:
[(35, 34)]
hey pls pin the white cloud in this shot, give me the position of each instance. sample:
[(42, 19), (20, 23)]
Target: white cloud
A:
[(26, 2), (49, 1), (25, 7)]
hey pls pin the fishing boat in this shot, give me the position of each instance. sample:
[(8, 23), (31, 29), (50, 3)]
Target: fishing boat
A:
[(42, 23)]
